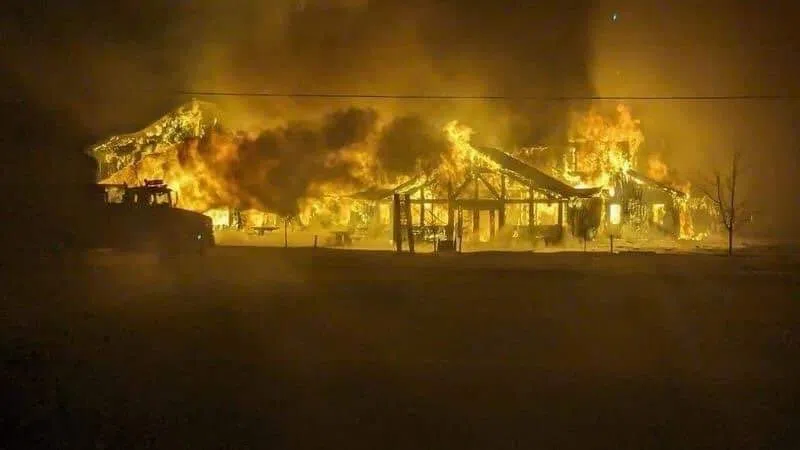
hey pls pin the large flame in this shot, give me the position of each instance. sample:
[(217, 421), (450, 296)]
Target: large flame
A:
[(204, 170), (603, 148), (463, 155), (606, 147)]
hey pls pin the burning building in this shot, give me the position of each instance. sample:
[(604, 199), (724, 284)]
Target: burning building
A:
[(348, 171)]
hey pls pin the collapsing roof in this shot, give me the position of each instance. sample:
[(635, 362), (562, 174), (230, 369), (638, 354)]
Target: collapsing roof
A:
[(124, 152), (644, 179), (537, 177), (508, 165)]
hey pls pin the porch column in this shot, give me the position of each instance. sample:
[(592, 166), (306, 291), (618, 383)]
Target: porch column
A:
[(450, 201), (531, 211), (476, 213), (397, 233), (502, 213), (422, 207)]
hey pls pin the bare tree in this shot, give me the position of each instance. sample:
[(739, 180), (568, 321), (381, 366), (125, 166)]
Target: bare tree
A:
[(722, 191)]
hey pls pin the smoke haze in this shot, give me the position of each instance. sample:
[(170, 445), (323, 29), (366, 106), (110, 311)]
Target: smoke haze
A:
[(105, 69)]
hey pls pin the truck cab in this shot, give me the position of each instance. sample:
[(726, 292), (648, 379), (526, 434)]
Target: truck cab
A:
[(153, 194), (138, 218)]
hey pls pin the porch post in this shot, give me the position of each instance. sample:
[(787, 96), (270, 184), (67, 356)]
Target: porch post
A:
[(422, 207), (502, 213), (476, 213), (450, 201), (397, 233)]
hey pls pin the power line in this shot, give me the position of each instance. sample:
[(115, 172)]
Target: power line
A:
[(484, 97)]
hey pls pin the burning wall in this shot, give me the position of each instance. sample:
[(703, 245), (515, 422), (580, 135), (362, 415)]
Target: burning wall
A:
[(605, 151)]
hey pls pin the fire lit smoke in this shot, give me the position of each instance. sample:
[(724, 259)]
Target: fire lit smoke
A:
[(298, 166), (410, 145), (656, 168), (280, 169)]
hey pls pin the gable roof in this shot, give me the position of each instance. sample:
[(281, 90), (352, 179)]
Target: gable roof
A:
[(508, 163), (536, 176), (639, 176)]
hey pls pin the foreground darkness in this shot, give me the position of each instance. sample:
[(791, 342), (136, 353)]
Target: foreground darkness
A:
[(259, 348)]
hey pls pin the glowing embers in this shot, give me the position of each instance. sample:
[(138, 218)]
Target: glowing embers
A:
[(615, 213)]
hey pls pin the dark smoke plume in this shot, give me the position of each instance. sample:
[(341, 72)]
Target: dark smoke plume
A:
[(343, 128), (281, 166), (410, 145)]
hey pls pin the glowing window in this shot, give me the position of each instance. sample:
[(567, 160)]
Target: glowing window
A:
[(547, 214), (615, 213), (659, 212), (385, 213)]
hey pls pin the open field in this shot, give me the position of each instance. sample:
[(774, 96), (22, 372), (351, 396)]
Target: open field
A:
[(296, 348)]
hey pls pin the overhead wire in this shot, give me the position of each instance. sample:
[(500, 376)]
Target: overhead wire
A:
[(485, 97)]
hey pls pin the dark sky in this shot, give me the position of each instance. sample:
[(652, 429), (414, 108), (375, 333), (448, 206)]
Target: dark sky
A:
[(109, 67)]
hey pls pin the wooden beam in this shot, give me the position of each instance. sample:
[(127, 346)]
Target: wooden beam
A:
[(531, 211), (422, 206), (396, 231), (512, 201), (503, 194), (490, 187), (410, 224), (476, 213), (450, 218), (463, 186), (480, 204)]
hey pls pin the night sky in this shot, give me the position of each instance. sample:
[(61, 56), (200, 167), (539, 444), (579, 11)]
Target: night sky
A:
[(75, 75)]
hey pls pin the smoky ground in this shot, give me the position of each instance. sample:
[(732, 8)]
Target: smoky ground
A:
[(505, 241), (252, 347)]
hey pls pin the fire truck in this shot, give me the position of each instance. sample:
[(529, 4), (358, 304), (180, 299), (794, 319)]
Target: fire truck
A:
[(135, 218)]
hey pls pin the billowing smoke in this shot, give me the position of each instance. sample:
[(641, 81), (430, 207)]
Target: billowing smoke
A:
[(280, 167), (410, 145), (343, 128)]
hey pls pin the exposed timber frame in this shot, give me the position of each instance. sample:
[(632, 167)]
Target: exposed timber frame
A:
[(487, 193)]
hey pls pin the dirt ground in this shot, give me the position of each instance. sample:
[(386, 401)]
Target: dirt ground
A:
[(299, 348)]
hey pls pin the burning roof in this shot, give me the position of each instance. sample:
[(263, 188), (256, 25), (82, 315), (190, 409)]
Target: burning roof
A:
[(644, 179), (190, 120), (538, 177)]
